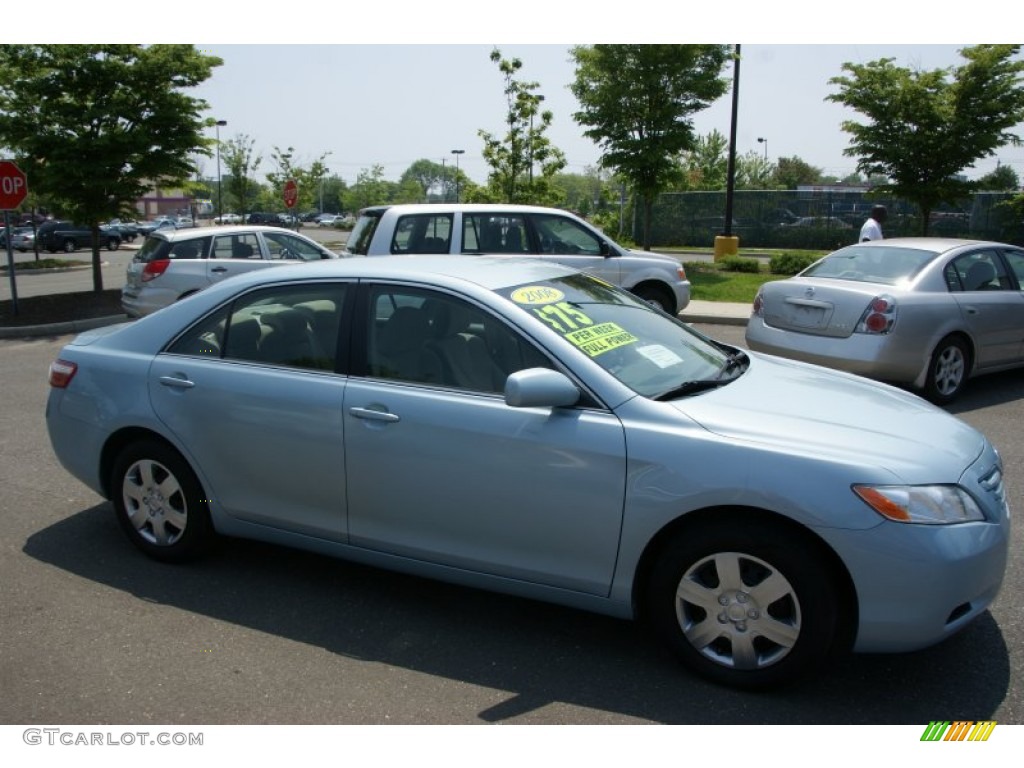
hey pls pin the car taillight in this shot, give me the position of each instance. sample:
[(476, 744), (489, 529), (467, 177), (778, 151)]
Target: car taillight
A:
[(682, 272), (758, 306), (154, 269), (61, 373), (879, 317)]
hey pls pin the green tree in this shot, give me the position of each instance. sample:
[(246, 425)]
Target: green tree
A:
[(524, 161), (426, 174), (307, 178), (753, 171), (1002, 179), (370, 188), (706, 166), (924, 128), (792, 172), (637, 102), (96, 126), (240, 162)]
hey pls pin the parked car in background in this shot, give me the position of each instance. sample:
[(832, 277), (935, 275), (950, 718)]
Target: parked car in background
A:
[(228, 218), (58, 235), (524, 231), (262, 217), (128, 230), (160, 222), (821, 222), (516, 425), (21, 238), (174, 264), (326, 219), (184, 222), (924, 312)]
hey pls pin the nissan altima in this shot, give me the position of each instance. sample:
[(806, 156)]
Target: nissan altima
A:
[(525, 428), (924, 312)]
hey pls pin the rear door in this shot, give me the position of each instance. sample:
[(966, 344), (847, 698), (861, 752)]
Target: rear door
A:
[(233, 254), (991, 304)]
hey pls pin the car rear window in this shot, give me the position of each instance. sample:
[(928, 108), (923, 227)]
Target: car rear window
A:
[(157, 248), (884, 265), (362, 233)]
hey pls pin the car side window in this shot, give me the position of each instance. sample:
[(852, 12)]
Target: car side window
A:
[(285, 246), (427, 337), (562, 236), (1016, 261), (423, 233), (237, 246), (977, 271), (193, 248), (295, 325), (490, 233)]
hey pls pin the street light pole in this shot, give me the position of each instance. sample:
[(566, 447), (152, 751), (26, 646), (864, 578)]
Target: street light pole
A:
[(762, 140), (457, 152), (325, 172), (220, 190)]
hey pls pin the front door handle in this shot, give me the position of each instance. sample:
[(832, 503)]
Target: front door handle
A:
[(371, 414), (179, 381)]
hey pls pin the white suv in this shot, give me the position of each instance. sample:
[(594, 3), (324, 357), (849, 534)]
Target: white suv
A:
[(523, 231), (172, 264)]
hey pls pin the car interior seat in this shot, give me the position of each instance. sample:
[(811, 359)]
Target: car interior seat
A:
[(241, 251), (979, 276), (397, 352)]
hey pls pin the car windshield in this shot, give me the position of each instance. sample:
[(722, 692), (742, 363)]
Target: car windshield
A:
[(653, 354), (885, 265)]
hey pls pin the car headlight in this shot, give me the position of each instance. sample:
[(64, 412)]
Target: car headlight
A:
[(924, 504)]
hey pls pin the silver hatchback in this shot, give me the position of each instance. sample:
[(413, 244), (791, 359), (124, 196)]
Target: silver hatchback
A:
[(173, 264)]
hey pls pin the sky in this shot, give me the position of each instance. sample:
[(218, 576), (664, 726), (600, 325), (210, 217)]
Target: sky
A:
[(391, 83), (391, 105)]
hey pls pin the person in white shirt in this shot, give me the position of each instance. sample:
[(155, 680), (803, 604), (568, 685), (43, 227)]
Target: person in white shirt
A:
[(872, 229)]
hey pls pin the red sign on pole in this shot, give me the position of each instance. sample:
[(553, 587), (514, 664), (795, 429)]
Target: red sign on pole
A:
[(291, 193), (13, 186)]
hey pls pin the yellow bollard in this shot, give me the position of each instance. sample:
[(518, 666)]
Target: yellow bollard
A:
[(726, 246)]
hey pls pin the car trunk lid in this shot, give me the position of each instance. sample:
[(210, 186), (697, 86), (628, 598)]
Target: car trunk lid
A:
[(817, 307)]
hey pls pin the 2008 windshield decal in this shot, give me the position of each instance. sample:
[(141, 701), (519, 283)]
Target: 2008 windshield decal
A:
[(581, 331)]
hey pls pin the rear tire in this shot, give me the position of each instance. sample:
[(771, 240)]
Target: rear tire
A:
[(744, 602), (159, 502), (70, 246), (947, 370)]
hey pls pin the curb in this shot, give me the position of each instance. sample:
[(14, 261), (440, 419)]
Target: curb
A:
[(60, 329), (687, 317)]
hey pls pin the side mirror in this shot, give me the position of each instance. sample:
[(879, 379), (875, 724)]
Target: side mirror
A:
[(540, 388)]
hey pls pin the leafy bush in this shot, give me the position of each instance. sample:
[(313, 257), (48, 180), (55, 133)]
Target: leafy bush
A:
[(790, 263), (738, 264)]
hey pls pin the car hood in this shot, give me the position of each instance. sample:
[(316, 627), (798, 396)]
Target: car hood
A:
[(803, 408)]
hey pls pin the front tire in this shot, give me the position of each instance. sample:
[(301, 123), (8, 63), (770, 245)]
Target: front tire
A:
[(947, 370), (159, 502), (113, 244), (70, 246), (744, 602)]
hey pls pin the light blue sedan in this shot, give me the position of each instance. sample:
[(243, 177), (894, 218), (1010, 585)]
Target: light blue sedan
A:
[(524, 428)]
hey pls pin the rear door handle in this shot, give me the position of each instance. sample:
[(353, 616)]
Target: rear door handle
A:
[(218, 269), (179, 381)]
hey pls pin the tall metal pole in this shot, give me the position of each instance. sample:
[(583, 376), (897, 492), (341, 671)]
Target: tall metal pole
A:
[(220, 189), (457, 152), (731, 185)]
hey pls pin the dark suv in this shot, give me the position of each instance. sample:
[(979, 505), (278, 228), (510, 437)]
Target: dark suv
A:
[(54, 236)]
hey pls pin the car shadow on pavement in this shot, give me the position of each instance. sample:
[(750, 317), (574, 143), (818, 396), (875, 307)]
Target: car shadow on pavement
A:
[(538, 653)]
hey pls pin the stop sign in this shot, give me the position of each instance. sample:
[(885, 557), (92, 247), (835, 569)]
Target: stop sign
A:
[(13, 186), (291, 193)]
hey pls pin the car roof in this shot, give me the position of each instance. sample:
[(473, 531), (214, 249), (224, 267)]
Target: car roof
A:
[(232, 229), (936, 244), (464, 207), (488, 272)]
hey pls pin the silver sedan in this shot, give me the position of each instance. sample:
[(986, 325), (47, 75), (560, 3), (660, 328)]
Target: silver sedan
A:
[(525, 428), (924, 312)]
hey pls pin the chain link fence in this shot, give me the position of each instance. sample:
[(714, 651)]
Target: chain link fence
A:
[(819, 219)]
